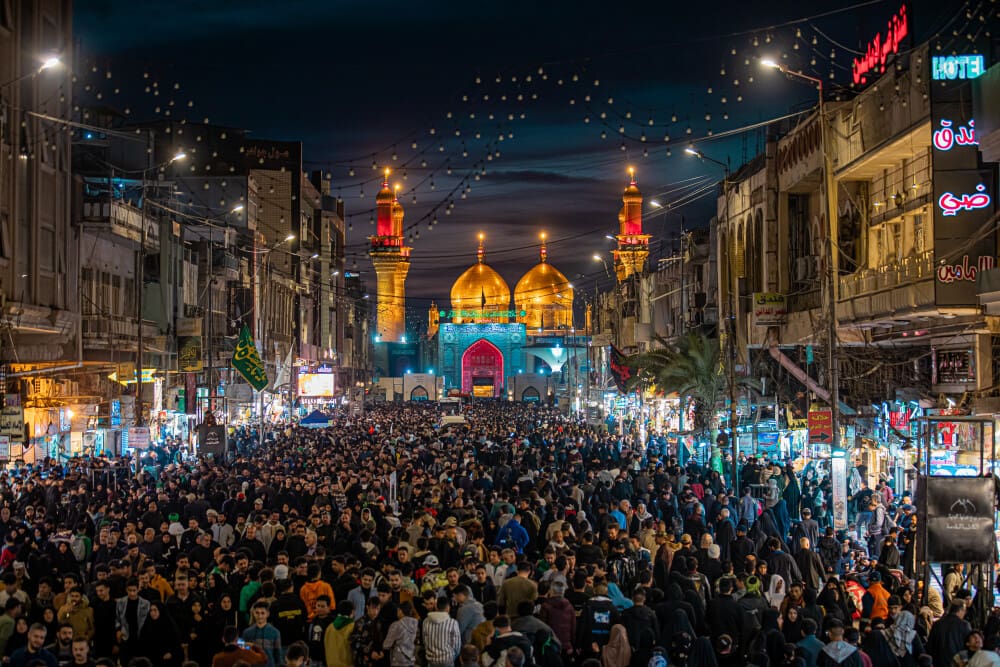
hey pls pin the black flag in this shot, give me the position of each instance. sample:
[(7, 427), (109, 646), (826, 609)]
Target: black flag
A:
[(620, 370)]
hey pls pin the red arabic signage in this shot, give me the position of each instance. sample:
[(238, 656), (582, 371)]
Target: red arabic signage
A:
[(881, 46)]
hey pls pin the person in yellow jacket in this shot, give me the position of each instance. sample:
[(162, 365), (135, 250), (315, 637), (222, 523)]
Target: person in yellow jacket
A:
[(337, 639), (78, 614)]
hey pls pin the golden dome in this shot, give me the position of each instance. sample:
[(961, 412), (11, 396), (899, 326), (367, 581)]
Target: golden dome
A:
[(482, 290), (545, 296)]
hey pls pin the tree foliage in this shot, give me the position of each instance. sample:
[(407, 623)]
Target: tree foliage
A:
[(689, 365)]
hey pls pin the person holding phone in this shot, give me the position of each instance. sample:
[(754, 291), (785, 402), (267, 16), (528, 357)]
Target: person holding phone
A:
[(236, 650)]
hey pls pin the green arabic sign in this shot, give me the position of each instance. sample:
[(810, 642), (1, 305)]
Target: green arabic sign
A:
[(480, 314)]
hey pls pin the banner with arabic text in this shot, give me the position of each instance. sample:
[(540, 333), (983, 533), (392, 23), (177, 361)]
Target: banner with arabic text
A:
[(247, 361)]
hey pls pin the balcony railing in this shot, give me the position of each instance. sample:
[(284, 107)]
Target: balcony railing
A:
[(123, 219), (102, 330), (893, 289)]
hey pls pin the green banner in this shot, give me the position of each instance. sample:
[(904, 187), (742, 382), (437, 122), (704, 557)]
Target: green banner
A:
[(247, 361)]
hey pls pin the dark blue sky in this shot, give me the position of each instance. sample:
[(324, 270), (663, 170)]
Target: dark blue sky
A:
[(361, 81)]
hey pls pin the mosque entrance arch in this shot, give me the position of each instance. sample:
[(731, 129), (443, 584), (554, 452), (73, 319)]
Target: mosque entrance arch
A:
[(482, 369)]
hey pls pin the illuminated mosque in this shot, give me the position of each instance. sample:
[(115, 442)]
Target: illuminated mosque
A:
[(485, 344)]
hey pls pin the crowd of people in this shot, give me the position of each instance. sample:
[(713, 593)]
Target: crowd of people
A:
[(519, 538)]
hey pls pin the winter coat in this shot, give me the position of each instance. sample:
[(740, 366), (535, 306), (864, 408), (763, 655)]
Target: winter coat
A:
[(401, 642), (441, 639), (559, 614), (337, 644)]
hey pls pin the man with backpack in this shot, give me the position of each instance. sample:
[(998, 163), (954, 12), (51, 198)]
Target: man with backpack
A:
[(642, 627), (594, 627), (876, 525)]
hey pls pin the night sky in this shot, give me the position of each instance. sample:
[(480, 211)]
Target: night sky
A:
[(360, 82)]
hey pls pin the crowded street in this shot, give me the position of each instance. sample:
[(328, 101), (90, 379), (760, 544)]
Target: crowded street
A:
[(390, 539), (702, 370)]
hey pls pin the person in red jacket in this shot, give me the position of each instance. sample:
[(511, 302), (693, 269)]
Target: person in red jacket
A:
[(558, 613)]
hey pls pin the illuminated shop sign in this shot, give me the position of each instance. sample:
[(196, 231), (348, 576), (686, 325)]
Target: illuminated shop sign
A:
[(879, 49), (949, 68), (951, 204), (948, 137), (964, 189)]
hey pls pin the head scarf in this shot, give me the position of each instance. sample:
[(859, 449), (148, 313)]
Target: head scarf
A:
[(702, 654), (617, 652), (776, 591), (901, 633)]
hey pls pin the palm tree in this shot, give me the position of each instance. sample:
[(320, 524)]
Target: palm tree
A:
[(690, 366)]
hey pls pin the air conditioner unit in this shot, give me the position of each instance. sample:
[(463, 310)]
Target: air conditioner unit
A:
[(41, 387)]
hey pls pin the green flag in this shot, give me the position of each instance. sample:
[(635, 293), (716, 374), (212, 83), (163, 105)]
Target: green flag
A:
[(247, 361)]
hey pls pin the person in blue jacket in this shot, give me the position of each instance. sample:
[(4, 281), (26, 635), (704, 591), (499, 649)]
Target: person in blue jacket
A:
[(513, 534)]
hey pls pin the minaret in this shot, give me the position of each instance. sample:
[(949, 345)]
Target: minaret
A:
[(392, 262), (433, 320), (633, 245)]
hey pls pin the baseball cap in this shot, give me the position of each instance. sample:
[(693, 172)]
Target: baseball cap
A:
[(281, 572), (431, 561)]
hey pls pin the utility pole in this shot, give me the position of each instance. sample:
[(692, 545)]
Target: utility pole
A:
[(140, 278)]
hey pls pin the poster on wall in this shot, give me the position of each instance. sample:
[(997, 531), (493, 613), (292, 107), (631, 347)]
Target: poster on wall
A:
[(838, 466), (960, 520), (212, 440)]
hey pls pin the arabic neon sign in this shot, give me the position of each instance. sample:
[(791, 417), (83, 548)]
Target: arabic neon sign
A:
[(949, 68), (951, 204), (947, 137), (949, 273), (880, 48)]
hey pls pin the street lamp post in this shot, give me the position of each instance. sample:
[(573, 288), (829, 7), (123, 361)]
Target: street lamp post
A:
[(830, 275), (140, 276), (731, 322)]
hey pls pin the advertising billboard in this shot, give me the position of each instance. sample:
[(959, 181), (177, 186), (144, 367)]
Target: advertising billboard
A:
[(316, 384)]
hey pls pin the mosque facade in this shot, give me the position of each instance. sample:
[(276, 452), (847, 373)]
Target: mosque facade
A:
[(491, 342)]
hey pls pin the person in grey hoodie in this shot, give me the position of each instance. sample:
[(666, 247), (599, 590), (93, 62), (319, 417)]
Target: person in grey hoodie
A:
[(401, 639), (469, 614), (441, 637), (837, 652)]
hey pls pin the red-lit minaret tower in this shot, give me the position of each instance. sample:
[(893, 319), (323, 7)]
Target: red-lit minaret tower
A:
[(392, 262), (633, 245)]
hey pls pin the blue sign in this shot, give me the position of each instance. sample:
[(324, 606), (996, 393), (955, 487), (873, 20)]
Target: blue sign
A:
[(116, 412), (949, 68)]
